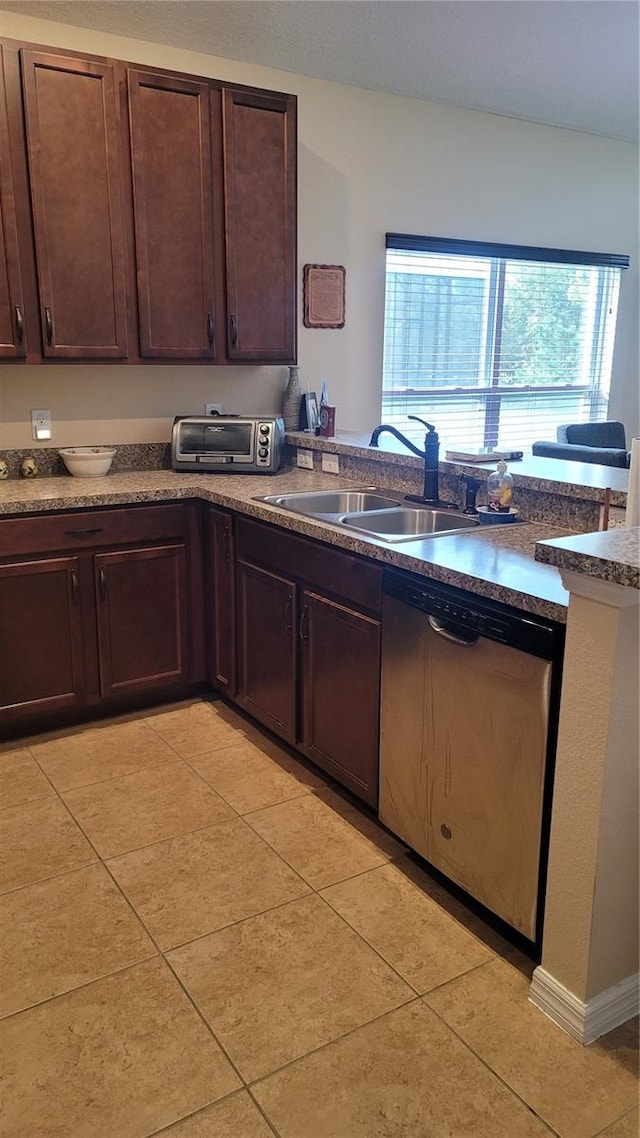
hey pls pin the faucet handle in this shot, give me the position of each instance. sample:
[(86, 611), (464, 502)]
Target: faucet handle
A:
[(472, 485), (429, 426)]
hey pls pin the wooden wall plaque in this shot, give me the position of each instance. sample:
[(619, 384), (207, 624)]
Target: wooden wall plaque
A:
[(324, 290)]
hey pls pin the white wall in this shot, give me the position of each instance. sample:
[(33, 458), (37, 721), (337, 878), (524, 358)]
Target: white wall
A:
[(368, 163)]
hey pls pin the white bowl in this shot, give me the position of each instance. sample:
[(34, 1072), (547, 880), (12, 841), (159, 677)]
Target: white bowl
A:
[(87, 462)]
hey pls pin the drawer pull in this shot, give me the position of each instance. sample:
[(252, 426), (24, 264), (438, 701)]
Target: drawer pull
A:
[(19, 324), (48, 325), (83, 532), (102, 576)]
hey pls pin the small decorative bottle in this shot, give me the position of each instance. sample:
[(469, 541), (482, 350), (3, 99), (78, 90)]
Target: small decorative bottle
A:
[(500, 489), (291, 400)]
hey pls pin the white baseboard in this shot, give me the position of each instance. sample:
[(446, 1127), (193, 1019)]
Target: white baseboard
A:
[(585, 1022)]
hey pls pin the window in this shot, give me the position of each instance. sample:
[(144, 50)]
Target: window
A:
[(496, 344)]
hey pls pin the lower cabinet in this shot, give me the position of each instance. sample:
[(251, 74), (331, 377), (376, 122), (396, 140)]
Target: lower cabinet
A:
[(267, 648), (340, 655), (143, 632), (80, 628), (309, 650), (220, 600), (99, 605), (41, 653)]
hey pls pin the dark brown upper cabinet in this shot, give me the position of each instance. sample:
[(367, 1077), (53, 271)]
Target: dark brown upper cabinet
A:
[(144, 214), (72, 146), (170, 123), (12, 330), (259, 134)]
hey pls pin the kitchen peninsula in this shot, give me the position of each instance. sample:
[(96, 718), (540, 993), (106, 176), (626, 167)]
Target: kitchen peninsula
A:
[(500, 563)]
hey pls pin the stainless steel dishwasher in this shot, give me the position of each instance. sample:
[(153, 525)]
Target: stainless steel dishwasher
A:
[(468, 723)]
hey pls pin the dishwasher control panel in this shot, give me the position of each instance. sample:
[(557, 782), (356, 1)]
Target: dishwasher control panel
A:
[(474, 614), (462, 615)]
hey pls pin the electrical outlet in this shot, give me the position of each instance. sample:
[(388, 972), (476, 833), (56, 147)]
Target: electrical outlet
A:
[(213, 408), (41, 425), (330, 463), (305, 458)]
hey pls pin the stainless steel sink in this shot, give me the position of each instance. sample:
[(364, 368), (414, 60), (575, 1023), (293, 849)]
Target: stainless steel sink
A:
[(374, 512), (321, 502), (408, 523)]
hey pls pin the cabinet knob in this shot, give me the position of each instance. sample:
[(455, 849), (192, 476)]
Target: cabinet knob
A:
[(445, 831)]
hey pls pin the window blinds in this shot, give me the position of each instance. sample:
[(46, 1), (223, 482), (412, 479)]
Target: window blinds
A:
[(496, 345)]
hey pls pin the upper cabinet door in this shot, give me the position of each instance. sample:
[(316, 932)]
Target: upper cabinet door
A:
[(71, 128), (170, 123), (259, 139), (12, 338)]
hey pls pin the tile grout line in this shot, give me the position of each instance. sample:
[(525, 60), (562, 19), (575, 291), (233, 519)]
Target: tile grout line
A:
[(201, 1109), (316, 889), (625, 1114), (252, 1083), (379, 953), (485, 1063), (79, 987), (292, 798)]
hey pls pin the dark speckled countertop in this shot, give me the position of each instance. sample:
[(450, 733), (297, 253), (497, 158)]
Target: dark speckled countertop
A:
[(497, 562), (611, 556)]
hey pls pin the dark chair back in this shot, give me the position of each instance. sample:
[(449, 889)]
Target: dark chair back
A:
[(609, 433)]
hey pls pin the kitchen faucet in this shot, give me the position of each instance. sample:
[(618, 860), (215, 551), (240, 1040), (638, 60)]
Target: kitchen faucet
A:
[(430, 495)]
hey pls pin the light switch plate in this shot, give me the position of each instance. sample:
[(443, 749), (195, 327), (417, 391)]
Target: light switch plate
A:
[(41, 425), (305, 458), (330, 463)]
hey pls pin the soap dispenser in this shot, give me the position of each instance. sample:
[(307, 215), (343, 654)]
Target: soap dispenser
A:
[(500, 489)]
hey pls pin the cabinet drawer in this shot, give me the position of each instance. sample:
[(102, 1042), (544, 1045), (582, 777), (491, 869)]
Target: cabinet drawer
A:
[(304, 559), (88, 529)]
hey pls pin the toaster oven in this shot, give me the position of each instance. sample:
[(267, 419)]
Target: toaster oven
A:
[(229, 444)]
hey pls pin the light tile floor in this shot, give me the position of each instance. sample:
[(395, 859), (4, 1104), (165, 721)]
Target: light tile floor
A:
[(200, 939)]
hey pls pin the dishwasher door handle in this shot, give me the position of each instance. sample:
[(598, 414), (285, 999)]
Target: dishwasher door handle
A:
[(440, 630)]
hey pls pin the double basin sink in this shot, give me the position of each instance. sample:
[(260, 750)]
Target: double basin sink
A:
[(374, 512)]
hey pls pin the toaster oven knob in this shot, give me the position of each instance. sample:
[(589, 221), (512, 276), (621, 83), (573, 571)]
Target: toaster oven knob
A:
[(263, 452), (266, 428)]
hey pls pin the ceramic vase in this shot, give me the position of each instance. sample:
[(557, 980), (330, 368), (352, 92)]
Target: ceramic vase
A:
[(292, 400)]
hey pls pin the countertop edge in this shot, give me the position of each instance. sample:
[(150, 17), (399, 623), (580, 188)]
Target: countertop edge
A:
[(431, 558)]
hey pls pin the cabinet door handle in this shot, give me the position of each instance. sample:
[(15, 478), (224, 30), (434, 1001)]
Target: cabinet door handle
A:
[(226, 543), (83, 532), (211, 334), (303, 627), (286, 616), (234, 331), (49, 325), (103, 585), (74, 587), (19, 324)]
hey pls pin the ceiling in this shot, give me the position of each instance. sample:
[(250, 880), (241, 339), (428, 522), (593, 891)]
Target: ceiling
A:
[(571, 63)]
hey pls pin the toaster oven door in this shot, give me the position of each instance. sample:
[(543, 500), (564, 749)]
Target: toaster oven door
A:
[(218, 442)]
